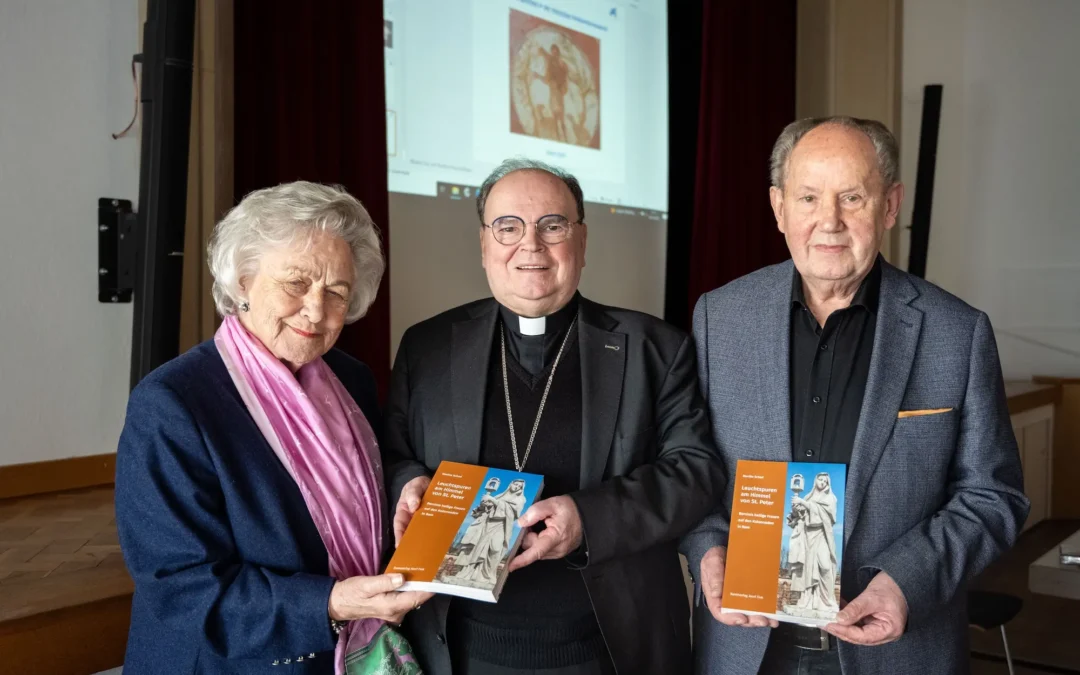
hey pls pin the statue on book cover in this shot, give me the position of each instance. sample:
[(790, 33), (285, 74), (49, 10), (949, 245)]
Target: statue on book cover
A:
[(487, 539), (812, 549)]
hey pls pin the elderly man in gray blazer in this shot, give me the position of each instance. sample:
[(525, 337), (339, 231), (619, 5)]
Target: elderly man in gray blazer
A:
[(836, 356)]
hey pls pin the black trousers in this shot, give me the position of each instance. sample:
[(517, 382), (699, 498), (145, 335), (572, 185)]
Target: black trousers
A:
[(783, 658), (474, 667), (463, 664)]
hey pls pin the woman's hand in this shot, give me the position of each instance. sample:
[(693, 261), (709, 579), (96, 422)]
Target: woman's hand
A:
[(411, 496), (373, 598)]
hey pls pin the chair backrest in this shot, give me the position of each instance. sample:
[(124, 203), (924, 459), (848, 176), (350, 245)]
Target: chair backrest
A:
[(988, 610)]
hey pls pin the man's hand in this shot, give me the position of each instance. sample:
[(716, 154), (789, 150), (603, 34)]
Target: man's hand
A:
[(713, 564), (408, 503), (373, 597), (876, 616), (561, 536)]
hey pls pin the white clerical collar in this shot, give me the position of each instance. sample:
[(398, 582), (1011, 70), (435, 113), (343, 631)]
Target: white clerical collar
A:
[(527, 326)]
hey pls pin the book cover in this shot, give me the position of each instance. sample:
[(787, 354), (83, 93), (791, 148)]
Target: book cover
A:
[(464, 534), (786, 541)]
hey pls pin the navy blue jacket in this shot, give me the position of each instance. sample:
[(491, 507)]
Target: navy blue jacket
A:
[(230, 572)]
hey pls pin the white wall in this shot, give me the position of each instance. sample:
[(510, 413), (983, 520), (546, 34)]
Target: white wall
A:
[(65, 85), (1005, 231)]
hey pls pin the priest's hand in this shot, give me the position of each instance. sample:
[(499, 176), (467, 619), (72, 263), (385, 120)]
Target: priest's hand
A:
[(560, 537), (713, 566), (876, 616), (407, 504)]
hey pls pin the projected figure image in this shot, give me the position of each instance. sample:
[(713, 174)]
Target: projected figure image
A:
[(556, 77), (812, 560), (482, 547), (554, 82)]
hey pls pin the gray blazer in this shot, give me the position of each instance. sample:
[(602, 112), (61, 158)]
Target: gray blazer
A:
[(931, 500)]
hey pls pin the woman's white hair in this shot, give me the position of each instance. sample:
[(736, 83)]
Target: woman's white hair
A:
[(281, 216)]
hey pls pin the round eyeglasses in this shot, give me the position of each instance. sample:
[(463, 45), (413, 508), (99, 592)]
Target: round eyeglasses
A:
[(551, 229)]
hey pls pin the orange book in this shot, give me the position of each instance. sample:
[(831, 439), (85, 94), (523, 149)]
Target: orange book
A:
[(785, 545), (465, 532)]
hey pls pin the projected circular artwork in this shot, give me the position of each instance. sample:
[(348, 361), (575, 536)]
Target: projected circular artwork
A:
[(554, 87)]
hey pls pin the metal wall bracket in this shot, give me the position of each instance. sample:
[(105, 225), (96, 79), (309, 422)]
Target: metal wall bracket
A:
[(117, 250)]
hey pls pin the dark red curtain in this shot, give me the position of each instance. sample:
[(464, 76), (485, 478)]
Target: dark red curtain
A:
[(745, 98), (310, 105)]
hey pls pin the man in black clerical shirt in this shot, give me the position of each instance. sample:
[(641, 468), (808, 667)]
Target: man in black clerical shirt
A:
[(604, 402)]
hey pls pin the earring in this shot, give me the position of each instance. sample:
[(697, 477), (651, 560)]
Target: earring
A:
[(244, 306)]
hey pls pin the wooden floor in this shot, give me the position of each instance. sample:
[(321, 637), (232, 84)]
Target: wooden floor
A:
[(61, 573), (51, 545), (56, 534)]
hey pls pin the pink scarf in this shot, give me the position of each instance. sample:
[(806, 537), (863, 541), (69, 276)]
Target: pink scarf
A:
[(323, 439)]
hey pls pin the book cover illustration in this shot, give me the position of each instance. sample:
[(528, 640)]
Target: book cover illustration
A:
[(786, 541), (464, 534)]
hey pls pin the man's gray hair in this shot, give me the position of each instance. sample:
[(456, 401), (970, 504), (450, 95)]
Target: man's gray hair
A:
[(287, 214), (522, 164), (888, 152)]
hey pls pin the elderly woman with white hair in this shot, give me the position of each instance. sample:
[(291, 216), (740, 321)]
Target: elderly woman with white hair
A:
[(249, 488)]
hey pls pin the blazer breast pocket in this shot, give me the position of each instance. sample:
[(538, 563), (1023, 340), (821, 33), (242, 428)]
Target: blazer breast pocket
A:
[(927, 421), (926, 438), (922, 412)]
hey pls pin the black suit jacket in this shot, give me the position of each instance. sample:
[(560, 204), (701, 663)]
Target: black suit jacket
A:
[(649, 468)]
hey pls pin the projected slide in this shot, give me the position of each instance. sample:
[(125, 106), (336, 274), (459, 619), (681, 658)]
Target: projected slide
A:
[(578, 83), (581, 84), (554, 82)]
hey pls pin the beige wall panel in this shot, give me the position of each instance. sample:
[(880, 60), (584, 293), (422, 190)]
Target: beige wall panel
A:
[(849, 64)]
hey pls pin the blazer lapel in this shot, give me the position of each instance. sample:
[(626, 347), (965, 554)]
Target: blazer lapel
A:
[(773, 365), (470, 351), (895, 341), (603, 362)]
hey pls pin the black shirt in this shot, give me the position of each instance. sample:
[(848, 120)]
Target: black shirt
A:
[(828, 371), (536, 353)]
